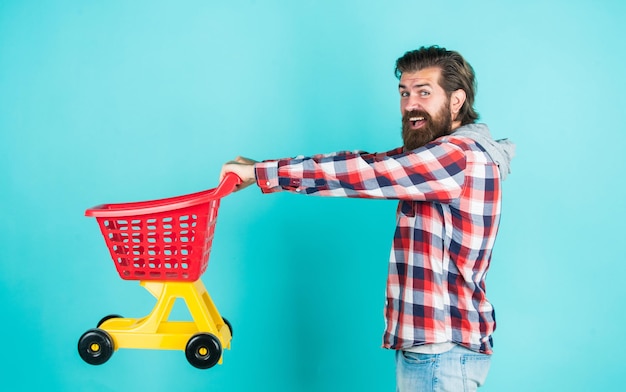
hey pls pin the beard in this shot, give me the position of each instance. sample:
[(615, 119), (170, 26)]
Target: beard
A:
[(435, 127)]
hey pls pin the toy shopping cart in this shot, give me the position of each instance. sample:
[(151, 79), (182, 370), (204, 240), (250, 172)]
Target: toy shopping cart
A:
[(165, 244)]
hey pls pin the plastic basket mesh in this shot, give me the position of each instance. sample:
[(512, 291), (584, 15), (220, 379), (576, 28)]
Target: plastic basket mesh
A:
[(169, 245)]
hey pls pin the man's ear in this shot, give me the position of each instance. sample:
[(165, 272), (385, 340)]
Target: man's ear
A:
[(457, 99)]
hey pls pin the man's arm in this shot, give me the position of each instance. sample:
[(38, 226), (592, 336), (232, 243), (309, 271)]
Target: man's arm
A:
[(434, 172), (245, 167)]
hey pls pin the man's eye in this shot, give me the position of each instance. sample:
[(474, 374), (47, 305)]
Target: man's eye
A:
[(404, 94), (424, 93)]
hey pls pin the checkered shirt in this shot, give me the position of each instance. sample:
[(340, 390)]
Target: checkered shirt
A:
[(447, 219)]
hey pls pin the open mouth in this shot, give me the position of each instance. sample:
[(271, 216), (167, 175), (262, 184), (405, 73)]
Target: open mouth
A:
[(416, 121)]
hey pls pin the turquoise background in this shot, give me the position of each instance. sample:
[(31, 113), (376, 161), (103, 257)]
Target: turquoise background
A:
[(114, 101)]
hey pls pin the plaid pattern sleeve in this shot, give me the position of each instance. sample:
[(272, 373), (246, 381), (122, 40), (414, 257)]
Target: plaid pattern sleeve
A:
[(434, 172), (446, 223)]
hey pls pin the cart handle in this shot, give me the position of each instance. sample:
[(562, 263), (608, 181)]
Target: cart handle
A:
[(225, 187)]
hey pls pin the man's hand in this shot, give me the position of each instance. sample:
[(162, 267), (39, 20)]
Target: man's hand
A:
[(244, 168)]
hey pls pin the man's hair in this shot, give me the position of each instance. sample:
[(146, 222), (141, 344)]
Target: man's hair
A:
[(456, 73)]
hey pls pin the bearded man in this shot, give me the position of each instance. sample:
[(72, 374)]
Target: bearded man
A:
[(447, 180)]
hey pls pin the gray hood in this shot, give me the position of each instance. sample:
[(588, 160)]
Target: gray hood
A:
[(501, 151)]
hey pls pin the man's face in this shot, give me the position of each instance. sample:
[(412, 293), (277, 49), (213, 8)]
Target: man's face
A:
[(425, 108)]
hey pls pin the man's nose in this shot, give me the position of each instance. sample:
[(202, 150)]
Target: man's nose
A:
[(411, 104)]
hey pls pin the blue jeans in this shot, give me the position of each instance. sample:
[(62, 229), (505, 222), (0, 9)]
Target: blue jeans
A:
[(458, 370)]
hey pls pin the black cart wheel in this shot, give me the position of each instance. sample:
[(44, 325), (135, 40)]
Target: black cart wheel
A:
[(203, 350), (109, 317), (95, 347)]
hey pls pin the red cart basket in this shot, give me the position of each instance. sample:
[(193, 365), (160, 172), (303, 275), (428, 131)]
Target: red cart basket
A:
[(165, 244)]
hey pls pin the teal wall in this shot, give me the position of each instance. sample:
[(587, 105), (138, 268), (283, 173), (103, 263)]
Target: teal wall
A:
[(113, 101)]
